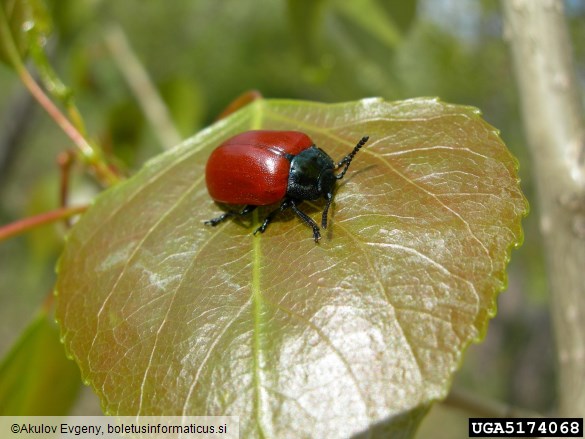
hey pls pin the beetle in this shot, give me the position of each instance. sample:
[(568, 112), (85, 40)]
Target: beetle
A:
[(264, 167)]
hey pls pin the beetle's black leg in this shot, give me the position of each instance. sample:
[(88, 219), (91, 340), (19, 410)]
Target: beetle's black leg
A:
[(283, 206), (215, 221), (329, 198), (306, 219)]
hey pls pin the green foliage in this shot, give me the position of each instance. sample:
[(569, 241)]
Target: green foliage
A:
[(36, 379), (167, 316)]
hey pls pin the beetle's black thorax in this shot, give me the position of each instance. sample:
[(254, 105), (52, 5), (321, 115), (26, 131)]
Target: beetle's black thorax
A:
[(311, 175)]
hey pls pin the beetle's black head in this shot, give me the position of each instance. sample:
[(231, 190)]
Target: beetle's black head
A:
[(326, 183), (311, 175)]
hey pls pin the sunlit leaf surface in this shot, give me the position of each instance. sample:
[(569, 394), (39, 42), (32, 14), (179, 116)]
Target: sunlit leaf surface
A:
[(167, 316)]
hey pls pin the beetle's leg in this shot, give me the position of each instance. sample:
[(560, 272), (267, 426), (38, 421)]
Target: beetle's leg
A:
[(307, 220), (283, 206), (329, 198), (215, 221)]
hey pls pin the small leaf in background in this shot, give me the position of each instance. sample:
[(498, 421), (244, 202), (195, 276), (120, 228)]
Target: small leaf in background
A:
[(403, 13), (185, 100), (306, 21), (36, 378), (124, 131), (361, 331), (371, 17)]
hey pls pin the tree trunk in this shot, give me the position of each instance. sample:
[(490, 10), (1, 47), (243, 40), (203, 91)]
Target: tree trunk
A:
[(553, 120)]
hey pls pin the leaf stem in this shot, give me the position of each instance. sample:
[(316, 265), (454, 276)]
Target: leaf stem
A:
[(55, 114), (25, 224), (54, 86), (90, 153)]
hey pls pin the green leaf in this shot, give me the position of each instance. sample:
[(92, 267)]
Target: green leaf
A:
[(23, 24), (364, 330), (36, 378)]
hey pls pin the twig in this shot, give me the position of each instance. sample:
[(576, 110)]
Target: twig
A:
[(26, 224)]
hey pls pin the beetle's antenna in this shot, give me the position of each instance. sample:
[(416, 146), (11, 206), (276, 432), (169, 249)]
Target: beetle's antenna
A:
[(348, 158)]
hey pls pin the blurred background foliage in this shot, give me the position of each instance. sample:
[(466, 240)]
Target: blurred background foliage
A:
[(200, 55)]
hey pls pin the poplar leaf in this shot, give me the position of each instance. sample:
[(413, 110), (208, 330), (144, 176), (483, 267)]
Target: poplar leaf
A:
[(357, 334)]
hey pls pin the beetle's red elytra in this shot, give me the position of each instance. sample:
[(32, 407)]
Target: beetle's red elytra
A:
[(263, 167)]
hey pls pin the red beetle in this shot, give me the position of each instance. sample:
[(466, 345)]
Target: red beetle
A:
[(259, 168)]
